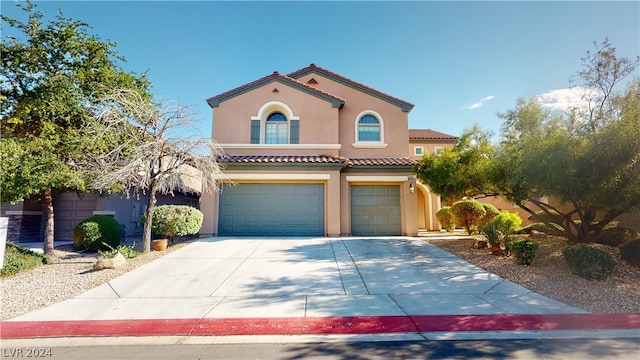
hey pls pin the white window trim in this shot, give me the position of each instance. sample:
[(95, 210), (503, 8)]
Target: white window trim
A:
[(437, 151), (415, 150), (283, 146), (275, 176), (369, 144), (267, 109), (377, 178)]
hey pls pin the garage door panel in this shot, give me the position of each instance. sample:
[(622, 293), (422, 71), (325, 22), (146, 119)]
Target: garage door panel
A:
[(375, 210), (272, 210)]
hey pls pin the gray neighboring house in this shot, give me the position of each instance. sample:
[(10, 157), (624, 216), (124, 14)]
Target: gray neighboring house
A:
[(26, 220)]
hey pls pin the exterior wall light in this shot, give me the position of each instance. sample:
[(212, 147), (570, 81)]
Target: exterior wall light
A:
[(412, 188)]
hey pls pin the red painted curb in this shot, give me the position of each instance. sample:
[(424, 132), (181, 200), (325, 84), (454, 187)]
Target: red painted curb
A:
[(317, 326), (514, 322)]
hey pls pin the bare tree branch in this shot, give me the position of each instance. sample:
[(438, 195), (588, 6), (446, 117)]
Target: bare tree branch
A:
[(147, 155)]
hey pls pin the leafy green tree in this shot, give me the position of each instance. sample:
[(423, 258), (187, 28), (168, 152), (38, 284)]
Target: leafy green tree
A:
[(461, 170), (51, 73), (575, 172)]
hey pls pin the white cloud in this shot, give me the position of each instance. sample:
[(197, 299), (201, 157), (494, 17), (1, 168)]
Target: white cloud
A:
[(480, 103), (564, 99)]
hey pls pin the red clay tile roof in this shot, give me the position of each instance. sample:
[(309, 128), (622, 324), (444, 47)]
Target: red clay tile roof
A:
[(392, 161), (406, 106), (283, 159), (428, 134), (316, 159), (214, 100)]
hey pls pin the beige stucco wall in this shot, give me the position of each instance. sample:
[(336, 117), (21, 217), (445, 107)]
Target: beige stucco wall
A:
[(318, 118), (395, 121), (429, 146)]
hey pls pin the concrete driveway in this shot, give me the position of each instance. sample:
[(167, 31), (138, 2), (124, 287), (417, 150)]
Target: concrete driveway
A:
[(302, 277)]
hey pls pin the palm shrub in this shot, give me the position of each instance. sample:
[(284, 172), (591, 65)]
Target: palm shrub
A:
[(445, 218), (467, 213), (98, 232), (171, 221), (589, 262)]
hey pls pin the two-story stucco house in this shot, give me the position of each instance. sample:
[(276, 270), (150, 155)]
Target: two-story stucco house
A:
[(314, 153)]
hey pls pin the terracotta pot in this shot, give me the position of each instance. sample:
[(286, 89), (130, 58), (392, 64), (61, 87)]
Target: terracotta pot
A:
[(159, 244)]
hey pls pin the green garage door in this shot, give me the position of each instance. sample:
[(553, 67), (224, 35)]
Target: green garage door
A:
[(272, 210), (375, 210)]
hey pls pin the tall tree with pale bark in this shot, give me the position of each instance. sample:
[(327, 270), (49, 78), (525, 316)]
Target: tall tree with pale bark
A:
[(154, 155), (51, 74)]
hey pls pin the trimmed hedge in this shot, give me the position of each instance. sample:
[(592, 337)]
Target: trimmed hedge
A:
[(510, 221), (92, 232), (176, 220), (616, 236), (630, 252), (524, 250), (467, 213), (490, 213), (589, 262), (445, 218)]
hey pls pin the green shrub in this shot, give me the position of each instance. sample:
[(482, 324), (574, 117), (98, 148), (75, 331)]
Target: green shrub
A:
[(524, 250), (18, 259), (445, 218), (630, 252), (589, 262), (94, 232), (176, 220), (490, 213), (467, 213), (495, 233), (615, 236), (128, 251), (509, 220)]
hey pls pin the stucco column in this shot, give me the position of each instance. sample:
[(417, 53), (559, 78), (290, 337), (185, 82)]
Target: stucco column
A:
[(209, 207), (332, 207), (409, 208)]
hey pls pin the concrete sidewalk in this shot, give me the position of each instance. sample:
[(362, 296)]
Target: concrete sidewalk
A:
[(314, 286)]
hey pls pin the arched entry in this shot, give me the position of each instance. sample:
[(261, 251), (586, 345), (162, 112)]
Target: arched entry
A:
[(428, 204)]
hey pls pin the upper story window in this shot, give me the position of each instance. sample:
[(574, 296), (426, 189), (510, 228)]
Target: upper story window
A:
[(276, 129), (275, 124), (418, 150), (369, 129)]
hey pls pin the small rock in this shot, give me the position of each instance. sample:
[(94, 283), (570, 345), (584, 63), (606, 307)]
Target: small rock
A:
[(113, 263), (480, 244)]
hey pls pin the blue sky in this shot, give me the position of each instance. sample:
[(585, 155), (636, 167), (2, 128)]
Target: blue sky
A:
[(460, 63)]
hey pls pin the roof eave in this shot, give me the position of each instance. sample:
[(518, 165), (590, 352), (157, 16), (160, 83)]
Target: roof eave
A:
[(216, 100)]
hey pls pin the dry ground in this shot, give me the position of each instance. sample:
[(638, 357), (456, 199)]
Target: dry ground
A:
[(550, 276)]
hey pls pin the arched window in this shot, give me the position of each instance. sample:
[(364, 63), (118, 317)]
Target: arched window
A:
[(368, 128), (276, 129)]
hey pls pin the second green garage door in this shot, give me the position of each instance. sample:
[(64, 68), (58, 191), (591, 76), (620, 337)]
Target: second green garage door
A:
[(375, 210), (272, 210)]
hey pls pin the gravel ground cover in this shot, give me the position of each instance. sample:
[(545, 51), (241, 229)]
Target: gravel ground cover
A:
[(72, 274), (550, 276)]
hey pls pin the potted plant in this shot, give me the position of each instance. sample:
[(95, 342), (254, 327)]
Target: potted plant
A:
[(171, 221)]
